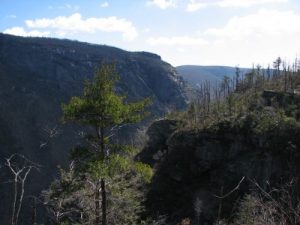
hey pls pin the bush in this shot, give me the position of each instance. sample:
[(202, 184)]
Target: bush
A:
[(276, 207)]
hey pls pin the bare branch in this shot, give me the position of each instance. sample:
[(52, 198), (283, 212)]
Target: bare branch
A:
[(20, 174), (233, 190)]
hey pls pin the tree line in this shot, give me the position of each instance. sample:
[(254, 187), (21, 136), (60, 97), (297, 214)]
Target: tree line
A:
[(213, 101)]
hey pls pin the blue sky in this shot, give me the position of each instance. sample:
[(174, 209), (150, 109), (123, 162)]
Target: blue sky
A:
[(199, 32)]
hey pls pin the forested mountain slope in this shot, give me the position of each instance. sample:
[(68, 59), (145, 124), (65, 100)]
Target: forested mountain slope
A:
[(38, 74)]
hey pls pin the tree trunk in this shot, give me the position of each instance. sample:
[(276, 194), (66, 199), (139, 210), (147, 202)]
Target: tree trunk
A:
[(13, 221), (102, 147), (103, 192), (97, 205), (34, 214)]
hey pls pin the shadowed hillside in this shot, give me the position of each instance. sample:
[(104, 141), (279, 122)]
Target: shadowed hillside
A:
[(38, 74)]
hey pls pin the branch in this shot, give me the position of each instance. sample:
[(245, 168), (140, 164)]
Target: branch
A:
[(233, 190)]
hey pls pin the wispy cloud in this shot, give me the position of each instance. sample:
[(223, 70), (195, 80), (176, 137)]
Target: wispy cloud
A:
[(246, 3), (75, 24), (20, 31), (194, 5), (163, 4), (267, 24), (177, 41), (71, 7), (68, 6), (11, 16), (254, 38), (104, 4), (258, 36)]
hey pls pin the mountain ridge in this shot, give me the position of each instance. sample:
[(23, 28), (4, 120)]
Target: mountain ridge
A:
[(196, 74)]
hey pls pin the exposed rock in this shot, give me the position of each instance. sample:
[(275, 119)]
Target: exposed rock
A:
[(201, 164), (157, 148), (282, 98)]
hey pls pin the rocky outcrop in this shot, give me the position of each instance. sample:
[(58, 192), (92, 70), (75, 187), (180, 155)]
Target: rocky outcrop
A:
[(157, 148), (202, 165)]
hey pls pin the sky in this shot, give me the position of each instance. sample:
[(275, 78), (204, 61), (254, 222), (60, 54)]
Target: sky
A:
[(183, 32)]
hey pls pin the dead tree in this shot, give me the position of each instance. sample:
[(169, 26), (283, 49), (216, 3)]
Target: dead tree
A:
[(237, 78), (268, 73), (276, 65), (20, 168), (285, 74)]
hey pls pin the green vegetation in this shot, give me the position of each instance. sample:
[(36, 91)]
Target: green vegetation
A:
[(261, 107), (259, 92), (102, 185), (105, 184)]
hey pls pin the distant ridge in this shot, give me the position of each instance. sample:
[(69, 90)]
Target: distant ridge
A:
[(194, 74)]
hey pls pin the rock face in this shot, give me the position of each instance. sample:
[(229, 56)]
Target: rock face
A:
[(199, 166), (158, 134), (38, 74)]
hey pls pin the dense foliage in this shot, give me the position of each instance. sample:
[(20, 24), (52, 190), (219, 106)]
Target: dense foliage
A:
[(103, 181)]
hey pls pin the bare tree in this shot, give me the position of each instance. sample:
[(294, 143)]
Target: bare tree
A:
[(237, 78), (268, 73), (20, 167), (198, 209), (276, 65), (49, 133)]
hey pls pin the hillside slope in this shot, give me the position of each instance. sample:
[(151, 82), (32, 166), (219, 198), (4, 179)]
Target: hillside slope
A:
[(191, 165), (246, 142), (38, 74)]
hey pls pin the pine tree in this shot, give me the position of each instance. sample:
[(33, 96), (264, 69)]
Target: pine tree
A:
[(103, 110)]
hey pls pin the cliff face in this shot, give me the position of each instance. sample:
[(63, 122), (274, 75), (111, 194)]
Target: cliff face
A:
[(194, 167), (38, 74)]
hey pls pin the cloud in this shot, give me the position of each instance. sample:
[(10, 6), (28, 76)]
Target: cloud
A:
[(70, 7), (19, 31), (176, 41), (75, 24), (11, 16), (246, 3), (265, 24), (104, 4), (163, 4), (259, 37), (194, 5)]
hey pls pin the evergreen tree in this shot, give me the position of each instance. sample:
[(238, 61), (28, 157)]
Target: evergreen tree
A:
[(103, 110)]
